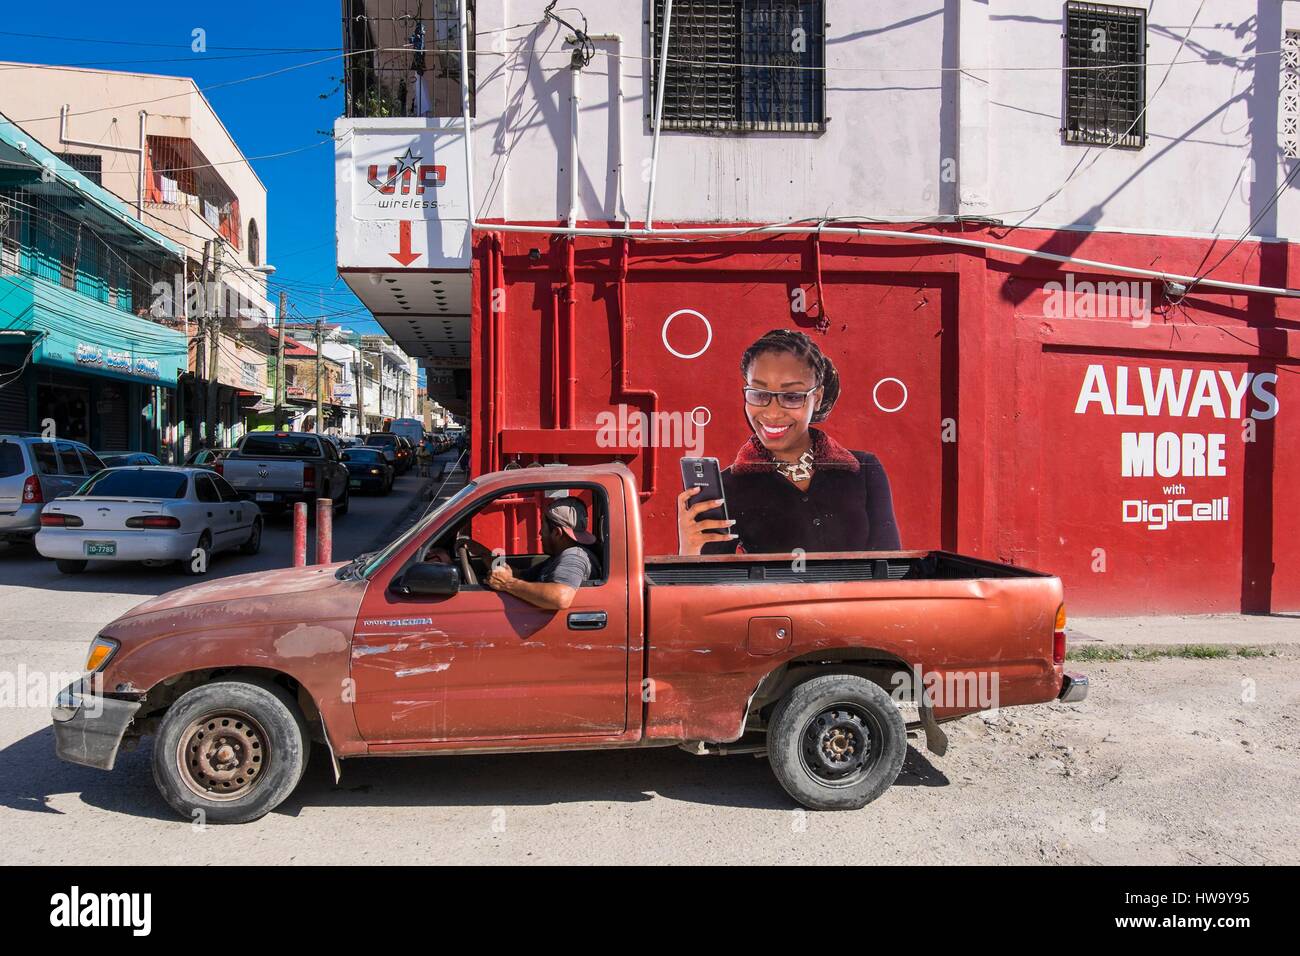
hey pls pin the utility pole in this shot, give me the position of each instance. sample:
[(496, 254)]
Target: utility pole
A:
[(360, 385), (279, 365), (214, 336), (320, 425)]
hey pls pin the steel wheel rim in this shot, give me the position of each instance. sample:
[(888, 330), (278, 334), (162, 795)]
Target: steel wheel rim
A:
[(223, 755), (840, 744)]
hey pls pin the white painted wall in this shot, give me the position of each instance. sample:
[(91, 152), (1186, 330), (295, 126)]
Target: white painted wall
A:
[(890, 130)]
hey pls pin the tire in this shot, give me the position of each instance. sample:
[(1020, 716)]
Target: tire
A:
[(830, 768), (256, 728), (70, 565), (342, 507), (254, 542), (204, 545)]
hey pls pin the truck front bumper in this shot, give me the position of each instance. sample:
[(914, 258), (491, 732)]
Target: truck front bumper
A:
[(1074, 688), (88, 728)]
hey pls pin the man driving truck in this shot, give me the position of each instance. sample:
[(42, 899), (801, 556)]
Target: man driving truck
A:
[(553, 584)]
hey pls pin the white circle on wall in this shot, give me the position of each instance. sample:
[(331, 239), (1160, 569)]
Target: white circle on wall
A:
[(875, 391), (701, 408), (708, 329)]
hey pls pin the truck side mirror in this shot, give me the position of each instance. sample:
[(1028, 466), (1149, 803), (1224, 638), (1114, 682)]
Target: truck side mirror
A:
[(428, 579)]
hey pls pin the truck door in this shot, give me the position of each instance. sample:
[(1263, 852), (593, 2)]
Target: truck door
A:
[(480, 665)]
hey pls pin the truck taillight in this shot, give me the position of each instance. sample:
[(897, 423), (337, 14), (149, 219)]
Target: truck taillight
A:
[(1058, 637), (308, 477), (32, 491), (153, 521), (219, 467), (49, 520)]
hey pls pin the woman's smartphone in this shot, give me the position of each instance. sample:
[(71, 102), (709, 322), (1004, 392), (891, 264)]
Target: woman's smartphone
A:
[(704, 474)]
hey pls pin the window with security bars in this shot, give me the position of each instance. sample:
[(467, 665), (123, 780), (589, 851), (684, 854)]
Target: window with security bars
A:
[(90, 165), (742, 65), (1105, 79)]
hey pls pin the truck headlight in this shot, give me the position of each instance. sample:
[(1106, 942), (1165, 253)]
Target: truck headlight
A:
[(101, 649)]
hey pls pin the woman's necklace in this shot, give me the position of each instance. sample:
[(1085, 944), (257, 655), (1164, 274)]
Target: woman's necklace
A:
[(800, 470)]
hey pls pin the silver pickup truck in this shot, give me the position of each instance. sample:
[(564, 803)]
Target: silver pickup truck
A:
[(276, 469)]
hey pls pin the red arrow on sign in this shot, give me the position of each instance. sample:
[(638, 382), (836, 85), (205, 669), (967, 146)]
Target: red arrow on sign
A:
[(404, 255)]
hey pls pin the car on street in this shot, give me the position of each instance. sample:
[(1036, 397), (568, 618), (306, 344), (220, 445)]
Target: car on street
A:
[(207, 457), (154, 514), (401, 457), (368, 470), (118, 459), (34, 470), (813, 663), (278, 469)]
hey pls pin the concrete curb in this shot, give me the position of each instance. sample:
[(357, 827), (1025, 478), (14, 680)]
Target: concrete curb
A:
[(1189, 651)]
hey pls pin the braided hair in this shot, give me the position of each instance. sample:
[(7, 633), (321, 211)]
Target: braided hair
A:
[(801, 346)]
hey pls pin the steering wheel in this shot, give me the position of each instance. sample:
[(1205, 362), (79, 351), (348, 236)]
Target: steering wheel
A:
[(467, 574)]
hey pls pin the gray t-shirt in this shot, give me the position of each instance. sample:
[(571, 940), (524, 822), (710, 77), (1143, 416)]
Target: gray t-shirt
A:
[(571, 566)]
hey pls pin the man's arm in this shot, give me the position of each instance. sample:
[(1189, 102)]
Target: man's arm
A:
[(550, 596)]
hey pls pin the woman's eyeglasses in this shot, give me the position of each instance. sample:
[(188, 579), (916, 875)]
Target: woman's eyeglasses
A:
[(762, 397)]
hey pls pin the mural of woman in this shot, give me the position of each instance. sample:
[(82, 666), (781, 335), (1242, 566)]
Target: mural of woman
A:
[(792, 486)]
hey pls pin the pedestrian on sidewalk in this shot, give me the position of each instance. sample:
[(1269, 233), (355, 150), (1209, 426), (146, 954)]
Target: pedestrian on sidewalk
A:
[(424, 457)]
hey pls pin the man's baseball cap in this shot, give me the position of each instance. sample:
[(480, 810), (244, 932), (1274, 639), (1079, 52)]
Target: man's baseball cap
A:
[(570, 516)]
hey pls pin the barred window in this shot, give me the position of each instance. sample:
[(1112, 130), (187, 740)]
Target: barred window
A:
[(1105, 83), (403, 57), (90, 165), (742, 65)]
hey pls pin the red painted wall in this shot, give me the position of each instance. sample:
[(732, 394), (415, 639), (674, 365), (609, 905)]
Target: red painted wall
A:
[(992, 356)]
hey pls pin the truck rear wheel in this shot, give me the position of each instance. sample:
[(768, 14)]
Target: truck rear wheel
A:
[(836, 742), (230, 752)]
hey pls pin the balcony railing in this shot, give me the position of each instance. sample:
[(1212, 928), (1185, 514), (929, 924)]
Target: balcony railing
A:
[(403, 57)]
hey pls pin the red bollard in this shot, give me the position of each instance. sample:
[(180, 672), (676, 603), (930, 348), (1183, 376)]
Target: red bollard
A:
[(299, 534), (324, 530)]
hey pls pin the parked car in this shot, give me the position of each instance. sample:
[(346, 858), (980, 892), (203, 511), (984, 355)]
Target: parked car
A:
[(35, 470), (207, 458), (401, 459), (151, 514), (120, 459), (368, 470), (803, 660), (277, 469)]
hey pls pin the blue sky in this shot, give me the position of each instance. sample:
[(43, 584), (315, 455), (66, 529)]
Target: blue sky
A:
[(265, 116)]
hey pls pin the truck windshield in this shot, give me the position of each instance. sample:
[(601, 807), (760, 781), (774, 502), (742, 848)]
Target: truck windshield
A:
[(383, 554), (135, 483), (280, 446)]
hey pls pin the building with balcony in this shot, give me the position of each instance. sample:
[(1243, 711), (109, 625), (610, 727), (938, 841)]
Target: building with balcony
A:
[(157, 144), (88, 351)]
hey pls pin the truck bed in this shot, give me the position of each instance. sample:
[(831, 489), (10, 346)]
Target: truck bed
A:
[(822, 568), (718, 624)]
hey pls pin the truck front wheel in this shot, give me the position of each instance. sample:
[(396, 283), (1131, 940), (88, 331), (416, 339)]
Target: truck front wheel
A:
[(230, 752), (836, 742)]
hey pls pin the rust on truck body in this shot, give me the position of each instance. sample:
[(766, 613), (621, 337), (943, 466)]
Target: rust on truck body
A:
[(693, 647)]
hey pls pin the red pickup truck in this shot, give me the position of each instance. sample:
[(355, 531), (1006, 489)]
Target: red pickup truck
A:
[(819, 660)]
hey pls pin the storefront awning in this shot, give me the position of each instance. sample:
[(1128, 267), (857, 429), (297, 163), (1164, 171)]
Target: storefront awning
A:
[(83, 335)]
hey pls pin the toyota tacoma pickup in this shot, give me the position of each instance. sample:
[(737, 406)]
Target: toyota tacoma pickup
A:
[(277, 469), (825, 663)]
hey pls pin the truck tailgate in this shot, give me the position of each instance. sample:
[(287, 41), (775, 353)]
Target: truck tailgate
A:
[(263, 474)]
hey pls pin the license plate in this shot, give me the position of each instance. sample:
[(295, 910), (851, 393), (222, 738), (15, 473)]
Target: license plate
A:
[(354, 483), (100, 549), (264, 496)]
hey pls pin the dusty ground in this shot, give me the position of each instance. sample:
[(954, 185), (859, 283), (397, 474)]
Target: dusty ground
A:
[(1166, 762)]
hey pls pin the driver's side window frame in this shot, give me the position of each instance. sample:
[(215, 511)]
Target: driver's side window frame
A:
[(600, 507)]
